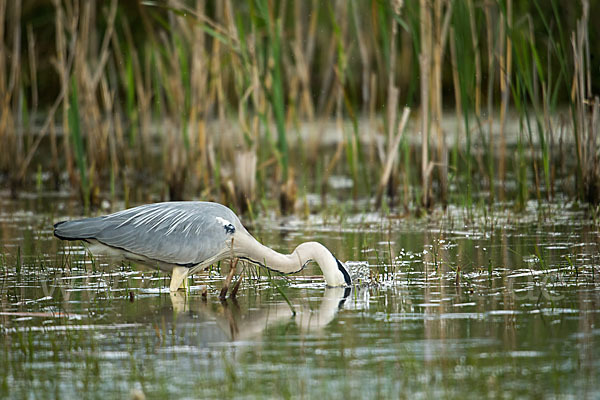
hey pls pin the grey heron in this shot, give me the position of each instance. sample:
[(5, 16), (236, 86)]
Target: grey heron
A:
[(188, 236)]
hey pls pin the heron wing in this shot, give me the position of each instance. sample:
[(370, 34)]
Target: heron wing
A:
[(184, 233)]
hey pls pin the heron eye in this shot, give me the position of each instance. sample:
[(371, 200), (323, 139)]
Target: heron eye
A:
[(229, 228)]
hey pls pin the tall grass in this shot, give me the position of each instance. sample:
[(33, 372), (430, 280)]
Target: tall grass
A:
[(223, 91), (77, 142)]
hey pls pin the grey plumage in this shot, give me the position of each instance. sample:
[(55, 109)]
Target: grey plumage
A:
[(170, 233)]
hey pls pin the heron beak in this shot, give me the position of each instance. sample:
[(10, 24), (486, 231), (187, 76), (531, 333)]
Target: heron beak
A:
[(344, 272)]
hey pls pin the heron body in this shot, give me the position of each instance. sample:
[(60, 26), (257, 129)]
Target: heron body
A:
[(186, 237)]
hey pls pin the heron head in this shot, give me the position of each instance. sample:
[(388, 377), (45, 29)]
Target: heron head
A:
[(344, 272), (334, 271)]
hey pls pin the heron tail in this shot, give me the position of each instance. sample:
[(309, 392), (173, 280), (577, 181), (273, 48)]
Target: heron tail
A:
[(78, 229)]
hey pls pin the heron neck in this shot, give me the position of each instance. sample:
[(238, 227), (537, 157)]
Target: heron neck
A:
[(246, 247)]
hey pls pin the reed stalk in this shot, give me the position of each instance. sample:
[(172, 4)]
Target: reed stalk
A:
[(63, 69), (442, 15), (477, 55), (457, 100), (392, 155), (505, 83), (586, 133), (467, 85), (424, 63), (11, 105), (78, 145), (491, 65)]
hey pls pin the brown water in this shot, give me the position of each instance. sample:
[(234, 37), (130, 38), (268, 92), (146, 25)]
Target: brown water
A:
[(455, 305)]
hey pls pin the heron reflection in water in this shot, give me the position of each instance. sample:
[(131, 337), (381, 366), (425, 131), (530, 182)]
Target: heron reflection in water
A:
[(239, 325)]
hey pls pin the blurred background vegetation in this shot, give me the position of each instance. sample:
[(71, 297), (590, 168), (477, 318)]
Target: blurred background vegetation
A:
[(403, 103)]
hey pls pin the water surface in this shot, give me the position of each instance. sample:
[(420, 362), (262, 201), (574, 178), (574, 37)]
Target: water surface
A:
[(454, 305)]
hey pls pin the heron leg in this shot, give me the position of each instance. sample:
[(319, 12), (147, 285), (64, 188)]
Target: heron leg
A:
[(179, 302), (227, 282), (236, 287), (179, 279)]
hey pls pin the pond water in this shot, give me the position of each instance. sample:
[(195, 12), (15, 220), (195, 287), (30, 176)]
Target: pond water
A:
[(455, 305)]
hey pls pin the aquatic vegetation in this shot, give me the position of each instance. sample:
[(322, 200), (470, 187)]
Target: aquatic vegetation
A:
[(257, 102)]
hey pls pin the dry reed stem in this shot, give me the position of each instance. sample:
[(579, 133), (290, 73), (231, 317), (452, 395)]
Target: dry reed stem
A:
[(490, 89), (217, 74), (339, 93), (439, 47), (55, 163), (90, 115), (364, 59), (456, 84), (12, 113), (199, 103), (2, 53), (245, 178), (201, 16), (303, 72), (392, 155), (100, 132), (505, 82), (15, 67), (586, 131), (311, 35), (302, 61), (228, 279), (392, 110), (104, 50), (326, 100), (108, 106), (425, 62), (5, 110), (32, 58), (475, 40), (392, 98), (534, 71), (372, 127), (63, 68)]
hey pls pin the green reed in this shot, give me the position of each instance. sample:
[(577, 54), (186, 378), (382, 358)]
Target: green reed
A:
[(78, 145), (466, 86)]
